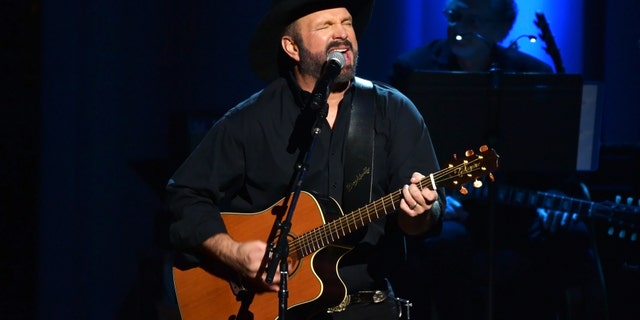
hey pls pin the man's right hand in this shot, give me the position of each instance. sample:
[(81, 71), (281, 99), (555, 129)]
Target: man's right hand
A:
[(243, 257)]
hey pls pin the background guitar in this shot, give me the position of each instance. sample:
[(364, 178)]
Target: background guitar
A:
[(622, 217)]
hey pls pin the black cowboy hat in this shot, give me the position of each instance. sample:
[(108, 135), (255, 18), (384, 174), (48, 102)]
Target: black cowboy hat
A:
[(265, 50)]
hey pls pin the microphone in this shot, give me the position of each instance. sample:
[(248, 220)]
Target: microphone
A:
[(331, 70)]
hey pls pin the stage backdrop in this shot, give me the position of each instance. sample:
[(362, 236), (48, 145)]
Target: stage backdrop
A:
[(117, 75)]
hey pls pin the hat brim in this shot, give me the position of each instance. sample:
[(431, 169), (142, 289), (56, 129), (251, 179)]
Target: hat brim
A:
[(264, 49)]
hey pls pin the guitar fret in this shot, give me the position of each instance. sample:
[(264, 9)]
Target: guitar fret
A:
[(393, 205), (566, 204), (333, 231), (533, 200), (519, 196), (502, 197), (548, 202), (375, 211), (352, 224), (318, 242), (361, 217), (321, 241), (344, 227), (384, 206), (305, 248)]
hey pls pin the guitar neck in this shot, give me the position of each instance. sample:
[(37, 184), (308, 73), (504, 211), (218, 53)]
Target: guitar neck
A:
[(337, 229), (461, 171), (537, 199)]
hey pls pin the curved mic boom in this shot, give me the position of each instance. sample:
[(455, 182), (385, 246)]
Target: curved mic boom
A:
[(514, 44)]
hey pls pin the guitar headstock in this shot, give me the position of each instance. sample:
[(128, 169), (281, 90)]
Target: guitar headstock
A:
[(468, 169), (623, 217), (542, 24), (547, 37)]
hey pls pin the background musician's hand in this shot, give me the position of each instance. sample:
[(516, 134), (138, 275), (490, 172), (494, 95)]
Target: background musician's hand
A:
[(555, 220), (455, 210)]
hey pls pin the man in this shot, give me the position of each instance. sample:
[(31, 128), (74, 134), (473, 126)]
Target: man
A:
[(510, 264), (248, 160), (474, 29)]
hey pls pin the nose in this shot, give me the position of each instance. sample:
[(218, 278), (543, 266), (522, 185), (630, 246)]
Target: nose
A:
[(341, 32)]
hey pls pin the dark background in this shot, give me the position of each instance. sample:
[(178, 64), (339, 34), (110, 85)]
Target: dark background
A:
[(101, 100)]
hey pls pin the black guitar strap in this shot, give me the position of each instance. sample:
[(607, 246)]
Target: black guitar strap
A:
[(358, 168)]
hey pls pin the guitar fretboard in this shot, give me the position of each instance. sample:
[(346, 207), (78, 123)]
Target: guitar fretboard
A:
[(452, 176)]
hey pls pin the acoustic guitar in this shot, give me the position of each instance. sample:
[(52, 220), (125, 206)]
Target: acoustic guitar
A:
[(213, 292)]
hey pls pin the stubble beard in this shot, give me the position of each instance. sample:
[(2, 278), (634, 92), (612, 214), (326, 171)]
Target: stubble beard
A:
[(311, 64)]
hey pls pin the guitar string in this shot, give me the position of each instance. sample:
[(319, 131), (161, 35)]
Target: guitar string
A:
[(317, 238)]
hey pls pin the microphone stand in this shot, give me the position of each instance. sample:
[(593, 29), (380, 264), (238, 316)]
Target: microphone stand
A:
[(280, 250), (493, 113), (495, 79)]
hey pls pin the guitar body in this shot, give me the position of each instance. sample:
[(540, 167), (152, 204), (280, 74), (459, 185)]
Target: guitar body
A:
[(209, 294)]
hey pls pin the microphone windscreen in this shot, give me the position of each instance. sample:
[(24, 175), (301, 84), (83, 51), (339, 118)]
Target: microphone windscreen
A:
[(338, 57)]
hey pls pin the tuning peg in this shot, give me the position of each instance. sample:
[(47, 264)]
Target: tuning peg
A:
[(622, 234), (484, 148), (634, 237), (469, 153), (629, 201), (618, 199), (455, 157), (477, 184), (611, 231), (464, 191), (491, 177)]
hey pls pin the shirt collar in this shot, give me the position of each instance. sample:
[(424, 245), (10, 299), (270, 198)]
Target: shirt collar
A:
[(302, 97)]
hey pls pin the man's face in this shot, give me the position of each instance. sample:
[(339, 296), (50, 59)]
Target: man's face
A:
[(467, 18), (322, 32)]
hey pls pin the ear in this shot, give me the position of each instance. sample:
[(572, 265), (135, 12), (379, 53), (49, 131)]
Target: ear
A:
[(290, 47)]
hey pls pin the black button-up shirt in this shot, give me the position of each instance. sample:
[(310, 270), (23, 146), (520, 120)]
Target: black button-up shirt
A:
[(246, 161)]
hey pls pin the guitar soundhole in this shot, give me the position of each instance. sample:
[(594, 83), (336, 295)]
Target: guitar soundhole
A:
[(295, 266)]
